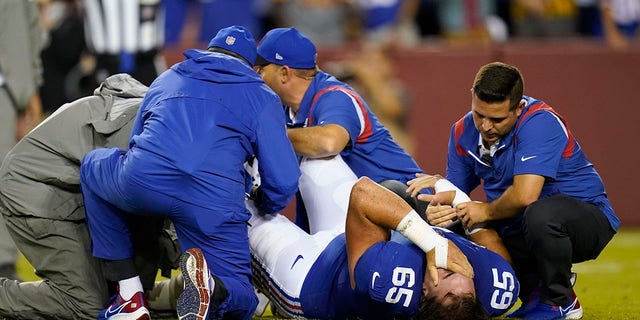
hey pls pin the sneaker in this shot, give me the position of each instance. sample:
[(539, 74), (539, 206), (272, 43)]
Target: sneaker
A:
[(203, 292), (120, 309), (526, 307), (534, 299), (543, 311)]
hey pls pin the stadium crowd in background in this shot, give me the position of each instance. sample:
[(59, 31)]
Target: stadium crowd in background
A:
[(165, 28)]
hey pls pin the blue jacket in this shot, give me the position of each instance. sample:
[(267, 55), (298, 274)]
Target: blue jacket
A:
[(197, 125)]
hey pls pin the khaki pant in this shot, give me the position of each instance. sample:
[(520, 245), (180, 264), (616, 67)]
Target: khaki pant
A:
[(72, 285)]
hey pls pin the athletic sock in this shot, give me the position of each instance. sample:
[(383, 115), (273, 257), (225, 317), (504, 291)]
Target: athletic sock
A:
[(129, 287)]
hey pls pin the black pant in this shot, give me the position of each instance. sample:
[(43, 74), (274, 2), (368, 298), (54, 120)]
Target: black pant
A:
[(557, 231)]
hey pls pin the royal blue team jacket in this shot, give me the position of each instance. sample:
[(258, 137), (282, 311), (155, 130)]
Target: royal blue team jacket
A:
[(199, 122)]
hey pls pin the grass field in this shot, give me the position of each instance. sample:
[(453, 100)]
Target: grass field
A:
[(607, 287)]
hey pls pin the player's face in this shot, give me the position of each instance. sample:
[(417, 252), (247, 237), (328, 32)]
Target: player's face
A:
[(272, 75), (269, 74), (494, 120), (450, 284)]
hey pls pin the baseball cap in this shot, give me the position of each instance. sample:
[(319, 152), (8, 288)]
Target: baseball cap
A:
[(236, 39), (286, 47)]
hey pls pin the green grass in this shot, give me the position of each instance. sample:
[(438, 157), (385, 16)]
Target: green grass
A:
[(607, 287)]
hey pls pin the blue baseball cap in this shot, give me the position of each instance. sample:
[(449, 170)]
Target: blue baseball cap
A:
[(287, 47), (236, 39)]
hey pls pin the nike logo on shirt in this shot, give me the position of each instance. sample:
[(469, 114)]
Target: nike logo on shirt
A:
[(523, 159), (376, 275), (298, 258)]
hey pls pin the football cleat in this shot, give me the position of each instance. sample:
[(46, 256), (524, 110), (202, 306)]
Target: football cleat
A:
[(202, 291), (534, 299), (120, 309), (543, 311)]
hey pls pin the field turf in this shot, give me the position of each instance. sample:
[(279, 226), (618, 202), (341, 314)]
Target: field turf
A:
[(607, 287)]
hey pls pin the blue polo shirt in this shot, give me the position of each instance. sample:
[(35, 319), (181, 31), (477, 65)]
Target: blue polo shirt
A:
[(371, 151), (541, 144)]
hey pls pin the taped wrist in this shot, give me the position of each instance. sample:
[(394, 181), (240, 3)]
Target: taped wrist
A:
[(476, 228), (421, 234), (445, 185)]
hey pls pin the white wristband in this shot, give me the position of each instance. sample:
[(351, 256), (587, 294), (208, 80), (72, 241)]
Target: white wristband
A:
[(476, 228), (445, 185), (421, 233)]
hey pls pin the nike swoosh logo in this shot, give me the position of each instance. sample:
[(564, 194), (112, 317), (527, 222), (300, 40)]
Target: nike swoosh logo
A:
[(376, 275), (110, 312), (298, 258), (523, 159)]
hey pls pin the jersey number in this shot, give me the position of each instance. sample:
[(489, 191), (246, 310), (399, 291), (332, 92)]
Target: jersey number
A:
[(505, 282), (402, 277)]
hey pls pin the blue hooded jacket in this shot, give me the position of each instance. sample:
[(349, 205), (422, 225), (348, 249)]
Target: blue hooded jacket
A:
[(197, 125)]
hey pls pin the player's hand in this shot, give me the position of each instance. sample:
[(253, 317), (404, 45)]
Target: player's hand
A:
[(441, 215), (472, 213), (444, 197), (456, 262), (421, 182)]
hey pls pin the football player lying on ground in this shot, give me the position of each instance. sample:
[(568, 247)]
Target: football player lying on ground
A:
[(41, 201), (373, 272)]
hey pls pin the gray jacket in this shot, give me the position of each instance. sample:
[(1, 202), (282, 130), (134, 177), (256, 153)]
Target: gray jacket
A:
[(40, 175)]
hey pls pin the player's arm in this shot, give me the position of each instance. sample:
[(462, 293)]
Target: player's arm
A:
[(319, 141), (490, 239), (526, 189), (374, 211), (544, 136)]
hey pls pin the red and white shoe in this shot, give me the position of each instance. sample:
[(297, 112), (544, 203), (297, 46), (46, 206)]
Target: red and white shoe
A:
[(120, 309)]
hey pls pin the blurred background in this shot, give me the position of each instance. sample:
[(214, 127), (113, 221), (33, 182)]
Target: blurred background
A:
[(412, 60)]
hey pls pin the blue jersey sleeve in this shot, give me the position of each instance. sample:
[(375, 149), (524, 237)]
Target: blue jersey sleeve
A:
[(540, 141), (391, 273), (338, 107)]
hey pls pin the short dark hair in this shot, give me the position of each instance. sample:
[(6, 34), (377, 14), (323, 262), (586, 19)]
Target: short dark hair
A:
[(464, 307), (499, 82), (229, 52)]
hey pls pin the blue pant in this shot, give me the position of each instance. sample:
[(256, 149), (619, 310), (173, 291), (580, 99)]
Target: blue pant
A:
[(111, 193)]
